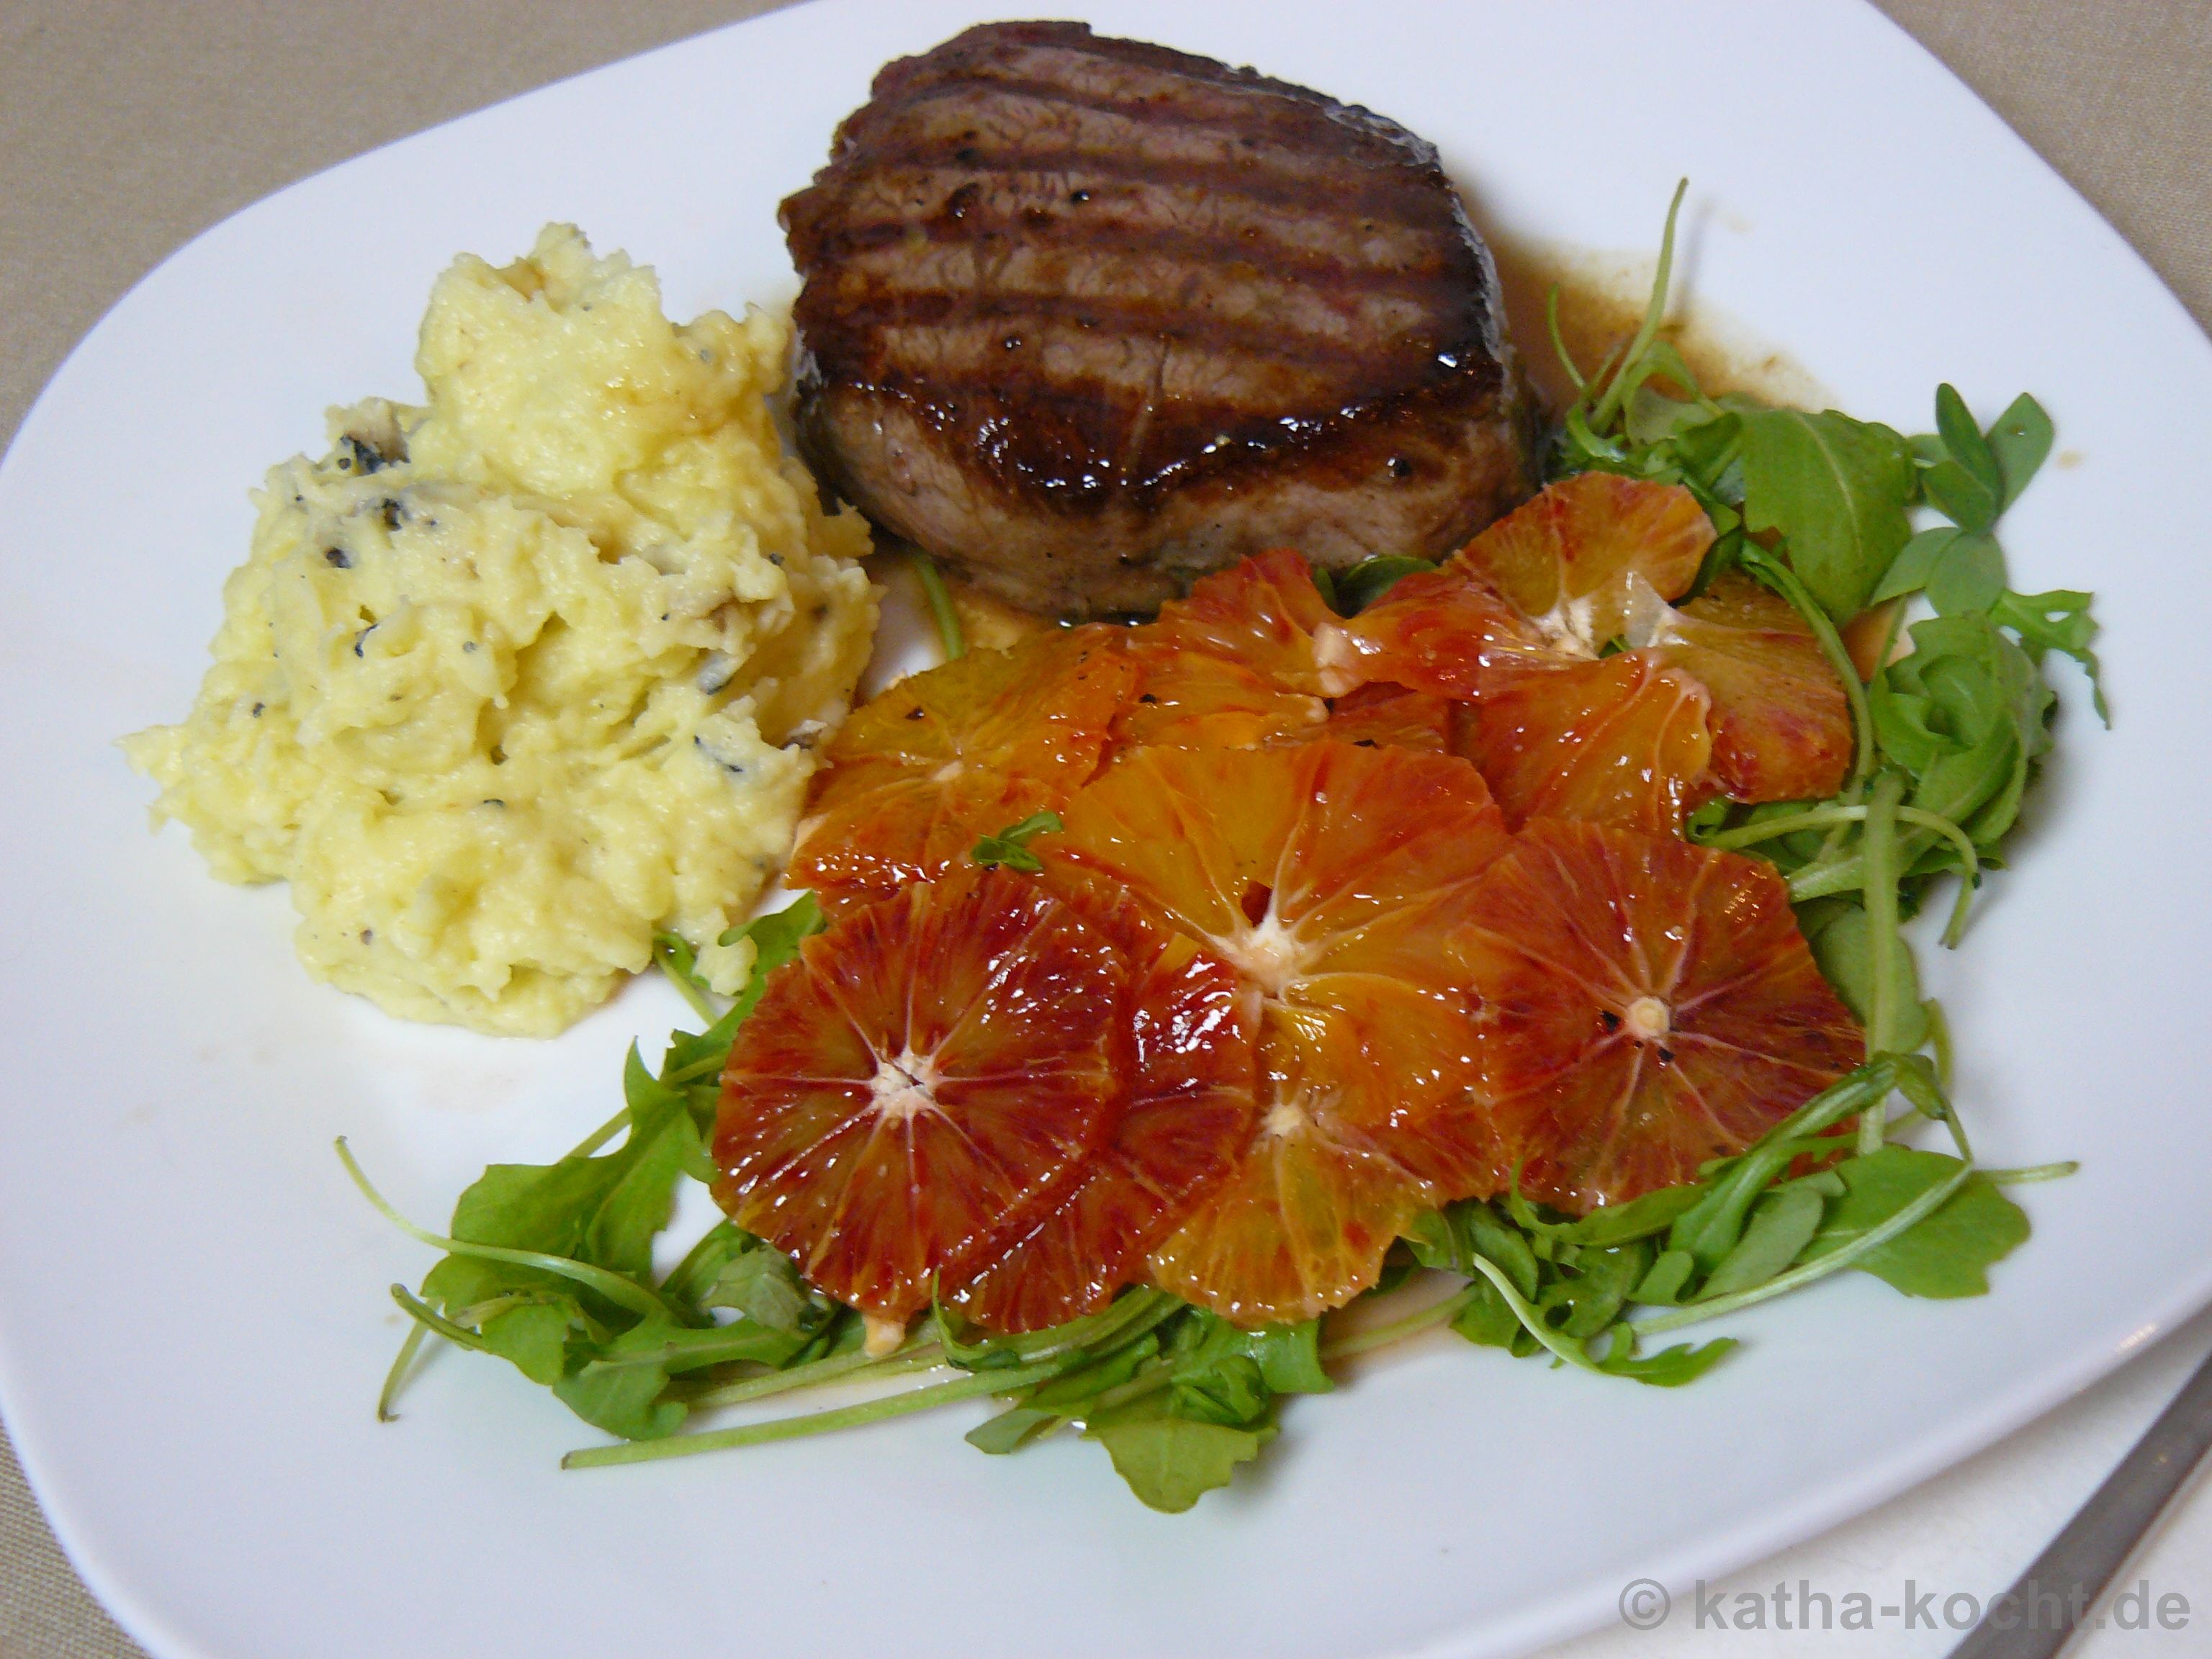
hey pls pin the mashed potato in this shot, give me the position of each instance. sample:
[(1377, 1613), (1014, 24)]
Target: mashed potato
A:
[(513, 679)]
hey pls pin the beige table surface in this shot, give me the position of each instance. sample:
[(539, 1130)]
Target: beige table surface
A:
[(126, 128)]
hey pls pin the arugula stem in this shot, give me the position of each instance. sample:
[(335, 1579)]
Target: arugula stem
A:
[(424, 1315), (626, 1292), (600, 1137), (393, 1379), (789, 1428), (1109, 1328), (1873, 1239), (1148, 1382), (1882, 941), (1854, 1091), (1382, 1336), (1654, 312), (1968, 877), (1817, 817), (683, 983), (1784, 581), (949, 632), (2030, 1173), (1821, 880), (1917, 1087), (697, 1069), (920, 1357), (1565, 1348), (1559, 343)]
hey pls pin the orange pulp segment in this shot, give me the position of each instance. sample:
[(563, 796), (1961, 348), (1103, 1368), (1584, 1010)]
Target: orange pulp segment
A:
[(1619, 741), (1648, 1005), (1233, 664)]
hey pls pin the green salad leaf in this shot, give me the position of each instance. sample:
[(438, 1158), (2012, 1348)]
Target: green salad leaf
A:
[(1835, 491), (1947, 1254), (1170, 1462)]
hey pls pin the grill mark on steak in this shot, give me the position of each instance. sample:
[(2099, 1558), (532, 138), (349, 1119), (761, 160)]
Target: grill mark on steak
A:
[(989, 129), (933, 352), (1129, 207), (1136, 289), (1084, 316)]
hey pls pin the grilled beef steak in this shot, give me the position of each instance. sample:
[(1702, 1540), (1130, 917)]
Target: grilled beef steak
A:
[(1087, 317)]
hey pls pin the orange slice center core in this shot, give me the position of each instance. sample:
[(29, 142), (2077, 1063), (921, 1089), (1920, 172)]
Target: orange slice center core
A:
[(1335, 660), (1269, 954), (1571, 627), (904, 1088), (1647, 1019)]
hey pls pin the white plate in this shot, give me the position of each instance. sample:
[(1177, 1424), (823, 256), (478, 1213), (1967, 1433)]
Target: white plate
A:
[(192, 1299)]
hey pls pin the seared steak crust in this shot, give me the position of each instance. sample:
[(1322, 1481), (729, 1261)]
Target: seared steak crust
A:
[(1087, 317)]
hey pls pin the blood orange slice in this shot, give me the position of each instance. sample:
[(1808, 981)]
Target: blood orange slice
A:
[(1621, 741), (1782, 729), (942, 758), (1649, 1004), (1331, 876), (1233, 666), (921, 1085), (1188, 1115)]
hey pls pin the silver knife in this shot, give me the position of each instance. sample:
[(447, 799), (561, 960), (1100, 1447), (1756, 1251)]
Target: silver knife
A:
[(2039, 1615)]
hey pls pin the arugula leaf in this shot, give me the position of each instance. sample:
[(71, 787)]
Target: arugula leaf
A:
[(1488, 1320), (1011, 1430), (1835, 491), (623, 1400), (690, 1280), (1945, 1255), (1449, 1240), (1231, 1390), (1010, 847), (1284, 1358), (1909, 571), (1965, 484), (1840, 936), (602, 1210), (532, 1334), (2056, 621), (1170, 1462), (1970, 576), (775, 938), (1671, 1272), (762, 1284), (1670, 1368), (2018, 441), (1069, 1395), (1967, 713), (1780, 1224), (1585, 1301)]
